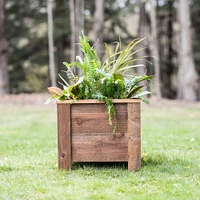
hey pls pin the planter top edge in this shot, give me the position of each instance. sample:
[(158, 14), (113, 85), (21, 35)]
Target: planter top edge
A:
[(97, 101)]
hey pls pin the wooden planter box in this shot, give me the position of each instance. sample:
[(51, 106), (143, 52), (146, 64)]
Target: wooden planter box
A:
[(84, 134)]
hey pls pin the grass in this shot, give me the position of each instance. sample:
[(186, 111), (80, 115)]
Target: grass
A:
[(170, 162)]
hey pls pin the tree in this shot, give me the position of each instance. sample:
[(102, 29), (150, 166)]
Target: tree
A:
[(142, 33), (188, 79), (98, 27), (61, 34), (154, 47), (195, 10), (77, 25), (166, 21), (51, 43), (4, 83), (73, 34), (27, 35), (170, 56)]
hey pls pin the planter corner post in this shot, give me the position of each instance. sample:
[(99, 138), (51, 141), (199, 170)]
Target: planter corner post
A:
[(134, 135), (64, 136)]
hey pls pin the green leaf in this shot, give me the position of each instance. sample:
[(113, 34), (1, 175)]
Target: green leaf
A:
[(134, 90), (71, 76), (108, 54), (63, 97), (138, 95), (118, 76), (129, 67), (52, 98), (145, 100), (66, 83)]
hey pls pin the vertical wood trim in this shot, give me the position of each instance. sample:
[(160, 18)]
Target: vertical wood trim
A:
[(134, 133), (64, 136)]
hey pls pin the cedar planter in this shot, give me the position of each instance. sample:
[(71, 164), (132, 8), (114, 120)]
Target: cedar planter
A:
[(84, 134)]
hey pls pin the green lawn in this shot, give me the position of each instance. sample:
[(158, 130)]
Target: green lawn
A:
[(170, 163)]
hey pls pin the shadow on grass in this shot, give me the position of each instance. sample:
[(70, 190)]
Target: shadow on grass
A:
[(100, 165), (160, 163)]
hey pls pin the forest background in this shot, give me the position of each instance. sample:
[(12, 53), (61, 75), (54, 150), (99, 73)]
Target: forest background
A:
[(36, 36)]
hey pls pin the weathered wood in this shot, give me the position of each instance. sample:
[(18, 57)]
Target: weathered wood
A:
[(92, 138), (134, 141), (97, 101), (84, 134), (96, 108), (100, 148), (92, 118), (64, 136)]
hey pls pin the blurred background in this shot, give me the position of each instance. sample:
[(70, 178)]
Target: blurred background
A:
[(36, 36)]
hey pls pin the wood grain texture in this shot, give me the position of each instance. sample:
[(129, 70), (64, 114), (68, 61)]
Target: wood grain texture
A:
[(95, 101), (134, 133), (99, 148), (96, 108), (64, 136), (92, 118), (84, 134), (92, 138)]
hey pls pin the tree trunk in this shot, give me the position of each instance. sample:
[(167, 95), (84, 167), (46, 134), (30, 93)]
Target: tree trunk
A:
[(98, 27), (51, 43), (60, 53), (142, 33), (4, 83), (154, 46), (77, 25), (72, 26), (170, 49), (188, 79)]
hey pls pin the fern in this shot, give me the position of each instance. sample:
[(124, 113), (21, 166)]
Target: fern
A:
[(110, 109), (90, 56)]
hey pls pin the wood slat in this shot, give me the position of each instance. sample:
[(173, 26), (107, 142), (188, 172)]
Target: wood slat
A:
[(95, 123), (88, 118), (94, 101), (96, 108), (134, 141), (95, 156), (98, 148)]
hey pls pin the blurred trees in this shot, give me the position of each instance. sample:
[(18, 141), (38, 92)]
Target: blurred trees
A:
[(4, 84), (77, 25), (26, 31), (172, 29), (28, 58), (51, 42), (188, 79), (99, 27), (62, 31), (154, 46)]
